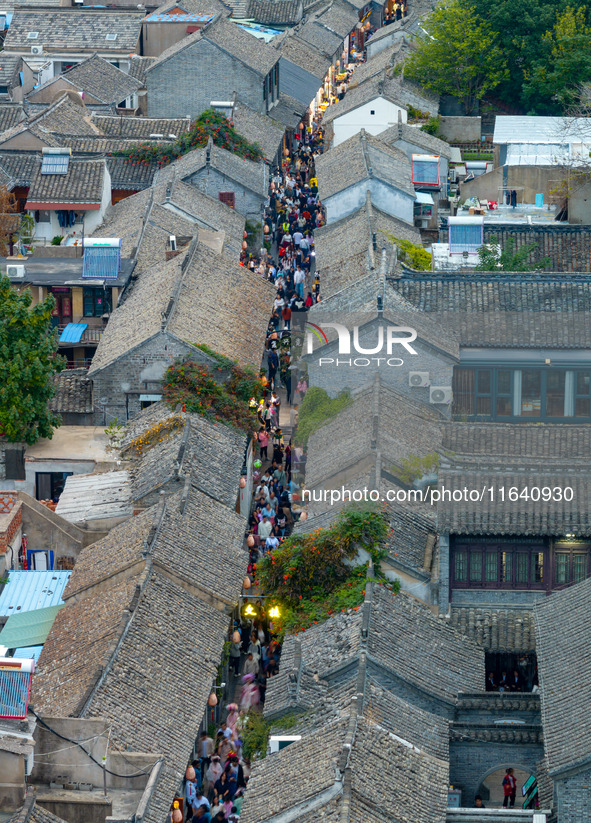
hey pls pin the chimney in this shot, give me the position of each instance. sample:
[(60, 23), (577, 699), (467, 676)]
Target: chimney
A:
[(400, 124)]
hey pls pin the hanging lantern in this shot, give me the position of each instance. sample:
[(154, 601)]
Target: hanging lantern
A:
[(250, 541), (177, 816), (301, 126), (246, 584), (304, 516), (266, 229), (242, 483), (286, 152), (212, 700), (244, 235), (244, 244), (190, 773), (236, 637)]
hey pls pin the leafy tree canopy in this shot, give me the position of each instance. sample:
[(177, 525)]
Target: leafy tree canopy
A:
[(28, 362), (459, 54), (509, 259)]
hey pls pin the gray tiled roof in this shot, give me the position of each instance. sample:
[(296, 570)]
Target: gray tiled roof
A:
[(402, 426), (138, 66), (226, 35), (33, 814), (497, 630), (74, 392), (349, 163), (140, 316), (507, 309), (412, 134), (202, 536), (19, 168), (8, 67), (75, 29), (10, 115), (288, 111), (139, 128), (258, 128), (83, 183), (65, 116), (301, 53), (527, 442), (325, 40), (568, 247), (498, 516), (211, 292), (423, 729), (416, 790), (211, 455), (272, 789), (410, 527), (126, 175), (407, 638), (102, 80), (249, 174), (563, 632), (275, 12), (344, 249)]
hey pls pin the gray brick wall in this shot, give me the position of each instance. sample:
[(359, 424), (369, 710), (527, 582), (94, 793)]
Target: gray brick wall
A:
[(471, 762), (188, 82), (117, 388), (212, 182), (333, 379), (573, 797)]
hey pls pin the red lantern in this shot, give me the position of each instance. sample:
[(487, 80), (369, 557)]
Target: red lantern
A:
[(212, 700), (242, 482), (236, 637), (266, 229), (190, 773), (177, 816), (244, 244), (244, 235), (304, 516), (246, 584), (250, 541)]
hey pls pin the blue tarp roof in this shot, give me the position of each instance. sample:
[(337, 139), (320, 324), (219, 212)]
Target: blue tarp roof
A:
[(73, 332), (27, 591)]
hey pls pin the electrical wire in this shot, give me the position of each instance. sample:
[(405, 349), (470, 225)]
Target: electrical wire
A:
[(88, 754)]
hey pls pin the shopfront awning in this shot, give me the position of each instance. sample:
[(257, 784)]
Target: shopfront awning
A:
[(28, 628), (73, 332)]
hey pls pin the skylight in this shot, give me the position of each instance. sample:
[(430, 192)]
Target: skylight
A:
[(110, 36), (33, 35)]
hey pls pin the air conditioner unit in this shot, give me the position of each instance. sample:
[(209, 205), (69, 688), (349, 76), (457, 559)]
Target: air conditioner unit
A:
[(15, 270), (418, 379), (37, 50), (452, 174), (172, 242), (440, 395)]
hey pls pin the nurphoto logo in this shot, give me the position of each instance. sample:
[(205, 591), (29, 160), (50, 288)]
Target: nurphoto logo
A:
[(389, 339)]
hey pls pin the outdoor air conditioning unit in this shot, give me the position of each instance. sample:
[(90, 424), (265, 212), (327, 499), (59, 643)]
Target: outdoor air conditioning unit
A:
[(172, 242), (440, 395), (37, 50), (15, 271), (452, 174), (418, 379)]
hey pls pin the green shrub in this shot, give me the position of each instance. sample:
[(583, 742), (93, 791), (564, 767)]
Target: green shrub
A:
[(416, 257), (219, 393), (416, 114), (432, 126), (56, 241), (316, 409), (255, 736), (209, 124), (414, 467)]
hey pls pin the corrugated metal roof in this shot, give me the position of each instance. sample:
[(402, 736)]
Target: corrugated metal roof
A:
[(28, 628), (73, 332), (520, 129), (27, 591), (15, 687)]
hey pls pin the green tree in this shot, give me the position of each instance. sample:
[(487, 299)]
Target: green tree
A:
[(458, 54), (28, 362), (509, 259), (564, 56)]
